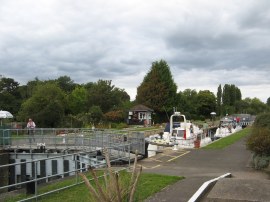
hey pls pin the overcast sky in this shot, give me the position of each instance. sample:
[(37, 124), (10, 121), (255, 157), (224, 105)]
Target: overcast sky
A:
[(205, 42)]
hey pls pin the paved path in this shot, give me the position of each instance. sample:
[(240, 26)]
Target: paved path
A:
[(198, 166)]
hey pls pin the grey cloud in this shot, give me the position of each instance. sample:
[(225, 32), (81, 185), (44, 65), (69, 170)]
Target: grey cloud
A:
[(118, 40)]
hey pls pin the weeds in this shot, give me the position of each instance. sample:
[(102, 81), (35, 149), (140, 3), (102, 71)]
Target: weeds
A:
[(114, 188)]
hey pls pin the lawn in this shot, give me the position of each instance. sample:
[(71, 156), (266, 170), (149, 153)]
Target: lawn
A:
[(147, 186), (226, 141)]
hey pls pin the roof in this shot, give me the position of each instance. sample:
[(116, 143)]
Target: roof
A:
[(141, 108)]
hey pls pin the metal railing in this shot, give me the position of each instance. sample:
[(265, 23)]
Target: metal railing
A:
[(35, 180), (70, 139), (74, 144)]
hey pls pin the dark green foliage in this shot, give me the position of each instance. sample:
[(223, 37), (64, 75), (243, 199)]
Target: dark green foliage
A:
[(231, 95), (206, 103), (10, 99), (105, 95), (158, 90), (46, 106), (262, 121), (219, 100), (259, 140), (77, 100), (65, 83), (95, 114), (268, 102)]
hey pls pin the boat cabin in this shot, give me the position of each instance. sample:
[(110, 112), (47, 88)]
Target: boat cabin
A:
[(179, 128)]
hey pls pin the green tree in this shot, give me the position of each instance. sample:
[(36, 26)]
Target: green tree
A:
[(258, 106), (230, 96), (96, 115), (268, 102), (219, 100), (105, 95), (187, 103), (158, 90), (66, 83), (10, 98), (226, 95), (46, 106), (207, 103), (77, 100)]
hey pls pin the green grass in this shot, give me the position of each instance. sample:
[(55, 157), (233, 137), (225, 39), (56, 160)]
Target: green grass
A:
[(147, 186), (150, 184), (226, 141)]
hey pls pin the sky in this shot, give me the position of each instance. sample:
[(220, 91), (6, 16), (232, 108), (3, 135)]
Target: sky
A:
[(205, 42)]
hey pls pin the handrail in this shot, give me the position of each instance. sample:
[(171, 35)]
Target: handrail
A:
[(204, 188)]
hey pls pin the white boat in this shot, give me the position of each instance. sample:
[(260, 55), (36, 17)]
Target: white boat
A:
[(226, 128), (180, 134)]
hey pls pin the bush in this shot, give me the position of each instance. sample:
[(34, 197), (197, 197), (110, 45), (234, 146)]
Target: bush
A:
[(119, 126), (262, 121), (260, 162), (259, 141)]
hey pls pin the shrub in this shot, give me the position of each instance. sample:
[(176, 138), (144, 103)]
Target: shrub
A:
[(119, 126), (260, 162), (259, 141), (262, 121)]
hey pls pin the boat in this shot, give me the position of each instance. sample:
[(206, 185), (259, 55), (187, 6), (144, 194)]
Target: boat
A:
[(226, 127), (178, 133)]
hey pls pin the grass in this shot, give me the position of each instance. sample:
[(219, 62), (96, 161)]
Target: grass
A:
[(226, 141), (147, 186)]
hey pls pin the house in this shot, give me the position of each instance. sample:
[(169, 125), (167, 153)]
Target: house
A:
[(140, 115)]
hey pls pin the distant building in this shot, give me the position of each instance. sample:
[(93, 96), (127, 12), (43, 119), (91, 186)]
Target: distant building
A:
[(238, 119), (140, 115)]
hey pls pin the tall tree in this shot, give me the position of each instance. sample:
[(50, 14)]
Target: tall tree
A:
[(226, 95), (158, 89), (219, 99)]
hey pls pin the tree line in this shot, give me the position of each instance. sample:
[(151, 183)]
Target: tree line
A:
[(63, 103), (159, 91)]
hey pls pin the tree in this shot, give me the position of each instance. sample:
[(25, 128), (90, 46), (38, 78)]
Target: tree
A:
[(231, 94), (46, 106), (206, 103), (95, 114), (10, 98), (219, 100), (105, 95), (115, 116), (158, 90), (268, 102), (77, 100), (66, 83), (258, 106), (187, 103)]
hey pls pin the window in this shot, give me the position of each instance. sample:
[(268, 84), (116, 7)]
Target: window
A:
[(142, 115)]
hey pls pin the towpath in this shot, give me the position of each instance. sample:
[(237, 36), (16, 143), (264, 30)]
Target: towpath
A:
[(198, 166)]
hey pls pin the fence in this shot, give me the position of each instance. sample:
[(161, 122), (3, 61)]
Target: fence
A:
[(33, 183), (71, 139), (44, 154)]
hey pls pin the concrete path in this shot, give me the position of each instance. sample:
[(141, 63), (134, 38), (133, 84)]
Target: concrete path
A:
[(198, 166)]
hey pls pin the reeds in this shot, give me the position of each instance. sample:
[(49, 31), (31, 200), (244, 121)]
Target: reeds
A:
[(113, 188)]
